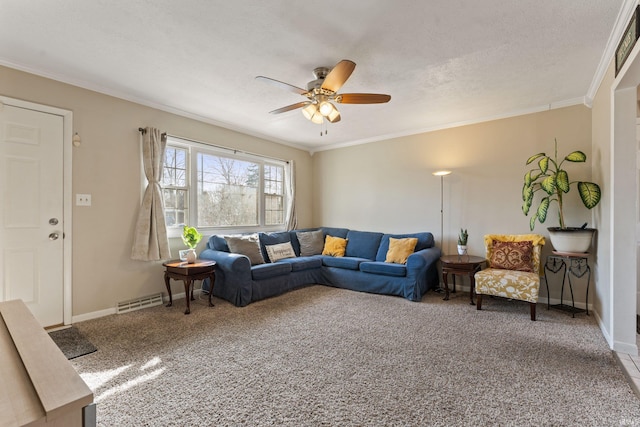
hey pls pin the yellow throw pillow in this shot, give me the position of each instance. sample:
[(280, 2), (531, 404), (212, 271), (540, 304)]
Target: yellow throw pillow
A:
[(334, 246), (400, 249)]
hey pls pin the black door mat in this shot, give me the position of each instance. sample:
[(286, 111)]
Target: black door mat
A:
[(72, 343)]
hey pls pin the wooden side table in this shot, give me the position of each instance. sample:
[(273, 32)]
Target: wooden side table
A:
[(461, 265), (188, 273)]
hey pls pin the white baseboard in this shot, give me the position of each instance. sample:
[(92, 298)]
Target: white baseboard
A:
[(626, 348), (93, 315), (541, 300), (110, 311)]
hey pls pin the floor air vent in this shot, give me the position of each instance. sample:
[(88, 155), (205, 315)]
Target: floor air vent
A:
[(139, 303)]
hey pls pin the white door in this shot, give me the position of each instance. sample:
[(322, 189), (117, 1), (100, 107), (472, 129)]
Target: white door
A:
[(31, 215)]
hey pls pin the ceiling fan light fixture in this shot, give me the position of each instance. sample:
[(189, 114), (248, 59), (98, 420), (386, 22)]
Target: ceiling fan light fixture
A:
[(333, 114), (326, 108), (317, 118), (309, 111)]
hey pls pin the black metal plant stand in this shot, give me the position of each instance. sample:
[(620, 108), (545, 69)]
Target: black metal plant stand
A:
[(572, 264)]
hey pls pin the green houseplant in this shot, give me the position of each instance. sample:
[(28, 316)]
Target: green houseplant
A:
[(462, 241), (190, 237), (552, 181)]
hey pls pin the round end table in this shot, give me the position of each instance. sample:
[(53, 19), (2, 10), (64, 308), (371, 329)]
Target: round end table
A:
[(461, 265)]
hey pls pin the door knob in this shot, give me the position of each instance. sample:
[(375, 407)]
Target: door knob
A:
[(53, 221), (53, 236)]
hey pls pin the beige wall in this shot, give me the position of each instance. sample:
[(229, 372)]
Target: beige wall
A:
[(388, 186), (107, 165), (385, 186)]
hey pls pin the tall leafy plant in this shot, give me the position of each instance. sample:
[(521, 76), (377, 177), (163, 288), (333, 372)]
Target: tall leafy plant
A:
[(550, 178)]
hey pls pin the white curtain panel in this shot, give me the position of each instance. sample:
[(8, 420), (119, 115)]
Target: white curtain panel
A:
[(150, 242), (291, 219)]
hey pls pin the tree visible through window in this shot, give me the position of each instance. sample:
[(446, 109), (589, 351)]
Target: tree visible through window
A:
[(174, 186), (226, 190), (274, 195)]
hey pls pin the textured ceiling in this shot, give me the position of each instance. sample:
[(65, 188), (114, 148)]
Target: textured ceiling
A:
[(443, 62)]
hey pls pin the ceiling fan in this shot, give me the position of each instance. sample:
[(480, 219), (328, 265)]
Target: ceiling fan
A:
[(322, 92)]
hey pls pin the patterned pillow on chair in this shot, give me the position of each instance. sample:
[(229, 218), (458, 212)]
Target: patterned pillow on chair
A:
[(516, 256)]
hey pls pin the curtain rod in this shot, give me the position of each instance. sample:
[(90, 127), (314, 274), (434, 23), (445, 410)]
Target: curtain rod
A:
[(143, 131)]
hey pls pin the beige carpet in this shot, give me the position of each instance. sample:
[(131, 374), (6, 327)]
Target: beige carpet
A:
[(321, 356)]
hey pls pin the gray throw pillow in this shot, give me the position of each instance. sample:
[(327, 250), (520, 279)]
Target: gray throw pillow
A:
[(248, 245), (311, 242)]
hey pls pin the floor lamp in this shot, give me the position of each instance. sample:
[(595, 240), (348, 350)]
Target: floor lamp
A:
[(442, 174)]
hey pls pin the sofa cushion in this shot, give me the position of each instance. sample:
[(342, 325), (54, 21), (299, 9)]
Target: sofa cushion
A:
[(334, 246), (337, 232), (348, 263), (265, 271), (400, 249), (425, 240), (267, 239), (311, 242), (303, 263), (363, 244), (248, 245), (218, 243), (280, 251), (384, 268)]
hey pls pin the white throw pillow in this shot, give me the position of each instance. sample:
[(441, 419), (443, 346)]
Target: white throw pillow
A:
[(280, 251)]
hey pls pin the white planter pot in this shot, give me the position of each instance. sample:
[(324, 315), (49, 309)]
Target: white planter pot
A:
[(571, 239), (462, 249), (188, 255)]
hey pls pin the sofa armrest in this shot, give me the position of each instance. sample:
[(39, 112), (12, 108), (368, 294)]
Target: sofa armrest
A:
[(235, 267), (422, 260)]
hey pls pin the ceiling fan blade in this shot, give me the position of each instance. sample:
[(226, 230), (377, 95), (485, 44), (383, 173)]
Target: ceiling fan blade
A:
[(282, 85), (362, 98), (290, 107), (338, 75)]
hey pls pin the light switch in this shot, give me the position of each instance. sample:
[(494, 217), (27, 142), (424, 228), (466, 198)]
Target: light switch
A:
[(83, 199)]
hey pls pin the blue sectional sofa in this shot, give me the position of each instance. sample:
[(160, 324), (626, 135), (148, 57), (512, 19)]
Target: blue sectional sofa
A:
[(363, 268)]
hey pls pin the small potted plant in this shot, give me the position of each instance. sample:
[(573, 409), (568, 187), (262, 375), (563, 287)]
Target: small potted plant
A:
[(462, 241), (191, 238), (553, 181)]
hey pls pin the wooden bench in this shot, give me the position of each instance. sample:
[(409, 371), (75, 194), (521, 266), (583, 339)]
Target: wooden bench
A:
[(39, 387)]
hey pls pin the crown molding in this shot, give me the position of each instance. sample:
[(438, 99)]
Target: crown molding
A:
[(505, 115), (627, 9), (141, 101)]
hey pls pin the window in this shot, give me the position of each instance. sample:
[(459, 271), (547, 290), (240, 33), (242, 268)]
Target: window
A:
[(274, 195), (175, 189), (213, 188)]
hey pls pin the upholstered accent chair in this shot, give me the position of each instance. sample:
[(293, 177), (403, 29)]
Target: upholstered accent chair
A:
[(514, 268)]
